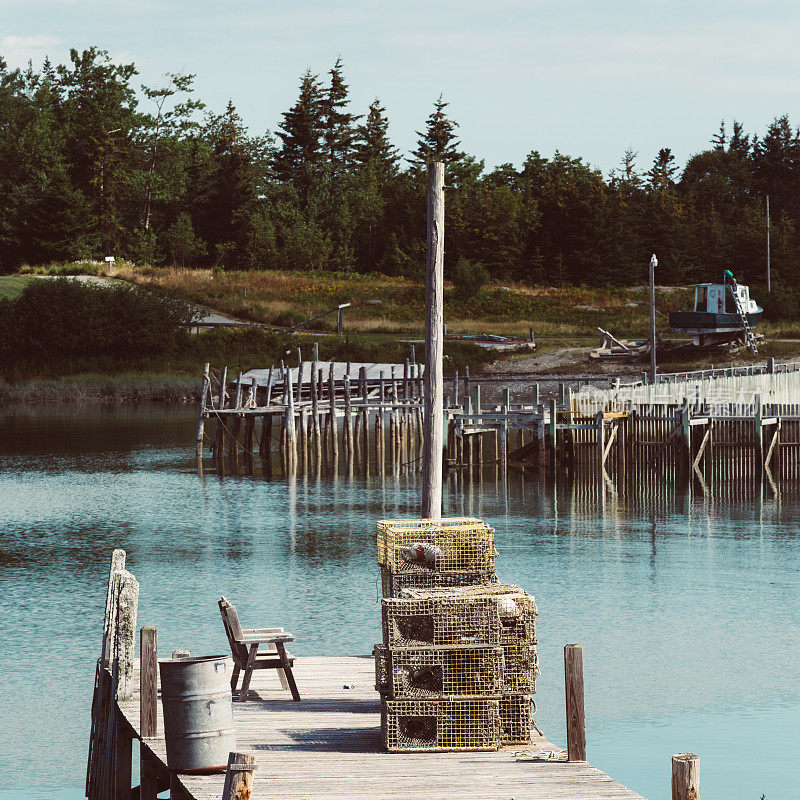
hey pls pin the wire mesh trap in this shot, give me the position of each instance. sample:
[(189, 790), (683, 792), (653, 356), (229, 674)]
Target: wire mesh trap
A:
[(516, 719), (445, 672), (444, 621), (446, 545), (515, 607), (521, 662), (394, 583), (440, 725)]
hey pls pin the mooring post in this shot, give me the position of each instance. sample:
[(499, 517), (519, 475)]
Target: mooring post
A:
[(219, 439), (573, 685), (148, 676), (685, 776), (201, 416), (239, 777), (332, 417), (455, 389), (434, 348)]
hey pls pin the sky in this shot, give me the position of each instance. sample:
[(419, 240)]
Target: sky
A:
[(589, 78)]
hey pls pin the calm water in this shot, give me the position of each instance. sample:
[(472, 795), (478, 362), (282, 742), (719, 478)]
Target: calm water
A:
[(687, 611)]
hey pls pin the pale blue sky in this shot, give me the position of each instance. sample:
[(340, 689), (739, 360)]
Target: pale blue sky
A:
[(587, 77)]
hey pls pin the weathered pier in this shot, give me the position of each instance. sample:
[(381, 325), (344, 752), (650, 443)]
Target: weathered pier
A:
[(705, 427), (327, 745)]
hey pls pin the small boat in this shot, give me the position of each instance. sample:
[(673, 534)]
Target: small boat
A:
[(722, 313)]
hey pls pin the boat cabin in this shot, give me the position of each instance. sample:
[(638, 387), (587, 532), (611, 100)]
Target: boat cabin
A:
[(717, 298)]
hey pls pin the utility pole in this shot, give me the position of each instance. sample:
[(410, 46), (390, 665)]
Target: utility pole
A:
[(769, 285), (653, 265), (434, 346)]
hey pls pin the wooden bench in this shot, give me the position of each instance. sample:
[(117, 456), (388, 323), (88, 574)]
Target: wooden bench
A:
[(244, 649)]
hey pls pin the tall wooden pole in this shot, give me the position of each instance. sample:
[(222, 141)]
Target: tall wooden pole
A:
[(576, 721), (434, 347), (685, 776), (769, 281), (653, 265)]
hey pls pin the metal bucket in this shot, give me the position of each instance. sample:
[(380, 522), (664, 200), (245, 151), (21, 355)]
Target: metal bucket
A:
[(198, 714)]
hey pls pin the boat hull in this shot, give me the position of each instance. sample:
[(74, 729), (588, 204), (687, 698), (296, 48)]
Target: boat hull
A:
[(702, 323)]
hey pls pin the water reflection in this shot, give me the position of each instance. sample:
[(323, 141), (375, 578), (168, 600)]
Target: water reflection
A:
[(684, 600)]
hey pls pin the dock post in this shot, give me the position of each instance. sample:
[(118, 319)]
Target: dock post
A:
[(365, 417), (573, 685), (239, 777), (233, 445), (347, 428), (685, 776), (219, 439), (332, 418), (148, 709), (455, 389), (553, 432), (201, 416), (123, 753)]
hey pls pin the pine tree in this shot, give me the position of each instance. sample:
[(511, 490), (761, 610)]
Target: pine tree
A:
[(719, 139), (372, 145), (338, 125), (663, 169), (228, 196), (301, 135), (439, 141)]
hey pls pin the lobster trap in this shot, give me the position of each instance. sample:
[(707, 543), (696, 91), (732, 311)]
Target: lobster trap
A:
[(440, 725), (444, 672), (393, 583), (442, 545), (516, 719), (447, 620), (521, 666), (516, 608)]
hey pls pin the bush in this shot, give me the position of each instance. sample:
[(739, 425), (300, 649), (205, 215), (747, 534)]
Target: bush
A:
[(469, 278), (65, 317)]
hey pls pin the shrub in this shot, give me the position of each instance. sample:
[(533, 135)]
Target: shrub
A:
[(65, 317), (468, 278)]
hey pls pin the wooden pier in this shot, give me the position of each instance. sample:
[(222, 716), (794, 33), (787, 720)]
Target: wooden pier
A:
[(707, 427), (328, 746)]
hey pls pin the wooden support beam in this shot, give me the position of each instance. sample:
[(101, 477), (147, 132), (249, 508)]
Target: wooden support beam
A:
[(685, 776), (573, 684)]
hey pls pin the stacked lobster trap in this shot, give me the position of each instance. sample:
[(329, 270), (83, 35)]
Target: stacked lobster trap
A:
[(457, 667)]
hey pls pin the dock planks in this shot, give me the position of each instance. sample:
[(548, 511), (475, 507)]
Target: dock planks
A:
[(328, 746)]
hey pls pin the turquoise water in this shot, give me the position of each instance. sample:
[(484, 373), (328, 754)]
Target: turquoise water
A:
[(687, 610)]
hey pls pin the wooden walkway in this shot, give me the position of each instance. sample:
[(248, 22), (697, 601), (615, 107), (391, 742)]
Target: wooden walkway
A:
[(328, 746)]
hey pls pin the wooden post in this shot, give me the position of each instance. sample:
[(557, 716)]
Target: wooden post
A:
[(685, 776), (653, 265), (148, 679), (219, 442), (125, 634), (239, 777), (455, 389), (201, 416), (123, 741), (332, 417), (233, 445), (434, 348), (573, 685)]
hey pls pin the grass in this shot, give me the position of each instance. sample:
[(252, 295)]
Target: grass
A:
[(391, 305), (11, 286)]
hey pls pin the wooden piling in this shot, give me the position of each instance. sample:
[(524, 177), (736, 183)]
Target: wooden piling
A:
[(233, 446), (201, 416), (219, 438), (239, 777), (148, 682), (685, 776), (573, 685)]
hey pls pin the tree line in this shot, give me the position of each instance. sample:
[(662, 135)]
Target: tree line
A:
[(95, 164)]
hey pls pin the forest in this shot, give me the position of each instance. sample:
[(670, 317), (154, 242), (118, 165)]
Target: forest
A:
[(96, 164)]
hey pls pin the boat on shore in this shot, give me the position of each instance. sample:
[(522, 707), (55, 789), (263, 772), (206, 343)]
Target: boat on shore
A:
[(722, 313)]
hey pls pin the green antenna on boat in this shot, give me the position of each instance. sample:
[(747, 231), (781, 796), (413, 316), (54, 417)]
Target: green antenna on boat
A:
[(728, 274)]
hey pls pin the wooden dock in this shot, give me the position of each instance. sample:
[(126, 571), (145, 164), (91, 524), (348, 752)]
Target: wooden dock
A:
[(328, 746)]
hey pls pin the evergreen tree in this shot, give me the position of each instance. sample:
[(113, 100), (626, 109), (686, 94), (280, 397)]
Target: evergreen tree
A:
[(301, 133), (338, 125), (372, 145), (661, 174), (439, 142)]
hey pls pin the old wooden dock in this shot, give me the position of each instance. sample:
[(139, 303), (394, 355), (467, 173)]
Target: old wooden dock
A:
[(328, 746)]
